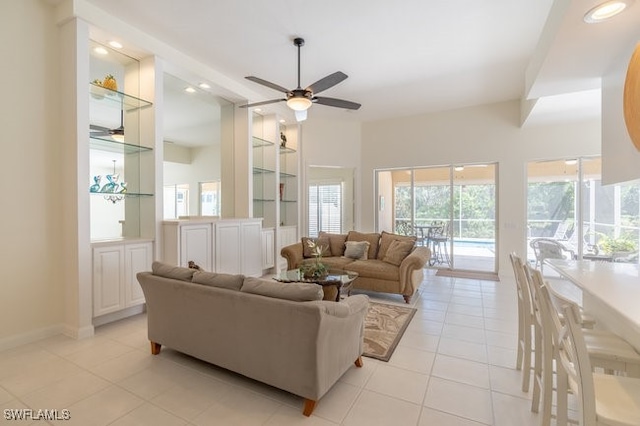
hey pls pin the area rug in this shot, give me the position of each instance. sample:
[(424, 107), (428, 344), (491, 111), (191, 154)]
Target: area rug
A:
[(384, 326), (488, 276)]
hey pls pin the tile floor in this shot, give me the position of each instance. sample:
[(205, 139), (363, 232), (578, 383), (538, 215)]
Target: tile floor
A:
[(453, 367)]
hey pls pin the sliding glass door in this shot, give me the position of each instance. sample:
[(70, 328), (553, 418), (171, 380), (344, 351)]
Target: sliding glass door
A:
[(451, 209), (567, 203)]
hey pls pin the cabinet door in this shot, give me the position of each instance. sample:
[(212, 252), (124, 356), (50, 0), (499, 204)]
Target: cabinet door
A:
[(137, 258), (287, 235), (228, 247), (251, 256), (108, 279), (196, 244), (268, 248)]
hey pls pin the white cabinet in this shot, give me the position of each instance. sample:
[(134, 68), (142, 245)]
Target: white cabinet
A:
[(268, 248), (115, 266), (232, 246)]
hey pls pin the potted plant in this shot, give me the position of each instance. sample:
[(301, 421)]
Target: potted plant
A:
[(617, 247), (316, 269)]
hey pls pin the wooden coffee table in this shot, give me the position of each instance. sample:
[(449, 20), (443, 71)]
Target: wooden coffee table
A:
[(338, 282)]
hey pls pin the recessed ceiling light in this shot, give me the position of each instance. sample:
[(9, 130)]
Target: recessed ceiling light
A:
[(115, 44), (606, 10), (204, 86), (458, 168), (571, 162), (258, 109), (190, 90), (282, 121), (101, 50)]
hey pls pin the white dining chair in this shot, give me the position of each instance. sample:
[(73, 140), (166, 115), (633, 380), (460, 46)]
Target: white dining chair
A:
[(525, 322), (604, 400), (605, 350)]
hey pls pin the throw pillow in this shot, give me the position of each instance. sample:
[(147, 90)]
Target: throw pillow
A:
[(336, 242), (228, 281), (397, 251), (298, 292), (322, 242), (372, 238), (357, 250), (387, 238), (170, 271)]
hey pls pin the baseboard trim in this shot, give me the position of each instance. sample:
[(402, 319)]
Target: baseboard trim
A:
[(79, 333), (116, 316), (30, 336)]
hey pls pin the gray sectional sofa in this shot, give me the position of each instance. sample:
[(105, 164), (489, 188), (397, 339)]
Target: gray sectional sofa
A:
[(281, 334)]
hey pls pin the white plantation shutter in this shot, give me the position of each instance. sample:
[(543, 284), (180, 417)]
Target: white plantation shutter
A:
[(325, 208)]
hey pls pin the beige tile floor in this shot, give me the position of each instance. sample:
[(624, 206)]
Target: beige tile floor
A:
[(453, 367)]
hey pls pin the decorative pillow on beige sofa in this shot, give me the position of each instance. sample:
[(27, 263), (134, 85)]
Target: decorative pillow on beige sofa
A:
[(298, 292), (170, 271), (372, 238), (322, 242), (387, 238), (358, 250), (336, 242), (397, 251), (228, 281)]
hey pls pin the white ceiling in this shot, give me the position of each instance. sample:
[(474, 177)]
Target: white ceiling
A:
[(402, 58)]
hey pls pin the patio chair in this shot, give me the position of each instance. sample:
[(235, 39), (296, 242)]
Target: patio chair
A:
[(547, 248)]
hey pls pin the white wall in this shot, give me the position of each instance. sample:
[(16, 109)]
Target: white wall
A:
[(32, 181), (330, 143), (488, 133)]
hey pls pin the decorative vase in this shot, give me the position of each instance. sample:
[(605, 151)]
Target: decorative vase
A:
[(96, 186), (283, 140), (112, 185), (281, 191)]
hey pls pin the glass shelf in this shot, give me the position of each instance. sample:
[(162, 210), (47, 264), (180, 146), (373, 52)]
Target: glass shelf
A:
[(126, 194), (109, 145), (286, 150), (288, 201), (119, 99), (286, 175), (259, 171), (263, 200), (259, 142)]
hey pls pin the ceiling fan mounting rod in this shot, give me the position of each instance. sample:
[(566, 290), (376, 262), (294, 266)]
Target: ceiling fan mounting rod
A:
[(298, 41)]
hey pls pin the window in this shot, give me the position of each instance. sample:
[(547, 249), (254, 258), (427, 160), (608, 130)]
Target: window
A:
[(176, 201), (210, 198), (325, 208)]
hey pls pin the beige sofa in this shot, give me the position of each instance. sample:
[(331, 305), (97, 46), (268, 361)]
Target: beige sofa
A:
[(380, 271), (280, 334)]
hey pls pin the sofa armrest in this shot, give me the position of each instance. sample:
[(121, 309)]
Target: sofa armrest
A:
[(412, 266), (351, 305), (293, 254)]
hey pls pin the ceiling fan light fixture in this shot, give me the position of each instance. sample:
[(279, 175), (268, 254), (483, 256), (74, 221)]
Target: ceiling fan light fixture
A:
[(606, 10), (299, 103)]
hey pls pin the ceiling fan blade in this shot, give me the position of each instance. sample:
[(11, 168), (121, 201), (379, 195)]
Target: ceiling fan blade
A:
[(272, 101), (327, 82), (339, 103), (267, 83)]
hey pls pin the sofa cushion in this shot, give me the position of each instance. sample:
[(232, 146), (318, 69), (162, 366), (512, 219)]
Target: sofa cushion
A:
[(321, 242), (397, 251), (170, 271), (374, 268), (336, 242), (228, 281), (372, 238), (357, 250), (387, 238), (299, 292)]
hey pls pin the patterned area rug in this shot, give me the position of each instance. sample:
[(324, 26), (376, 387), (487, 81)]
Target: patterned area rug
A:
[(384, 325)]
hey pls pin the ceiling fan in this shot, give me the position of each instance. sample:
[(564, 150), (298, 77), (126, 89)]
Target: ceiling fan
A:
[(117, 133), (300, 99)]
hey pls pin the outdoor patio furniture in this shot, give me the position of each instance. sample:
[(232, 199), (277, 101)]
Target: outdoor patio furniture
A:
[(547, 248)]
